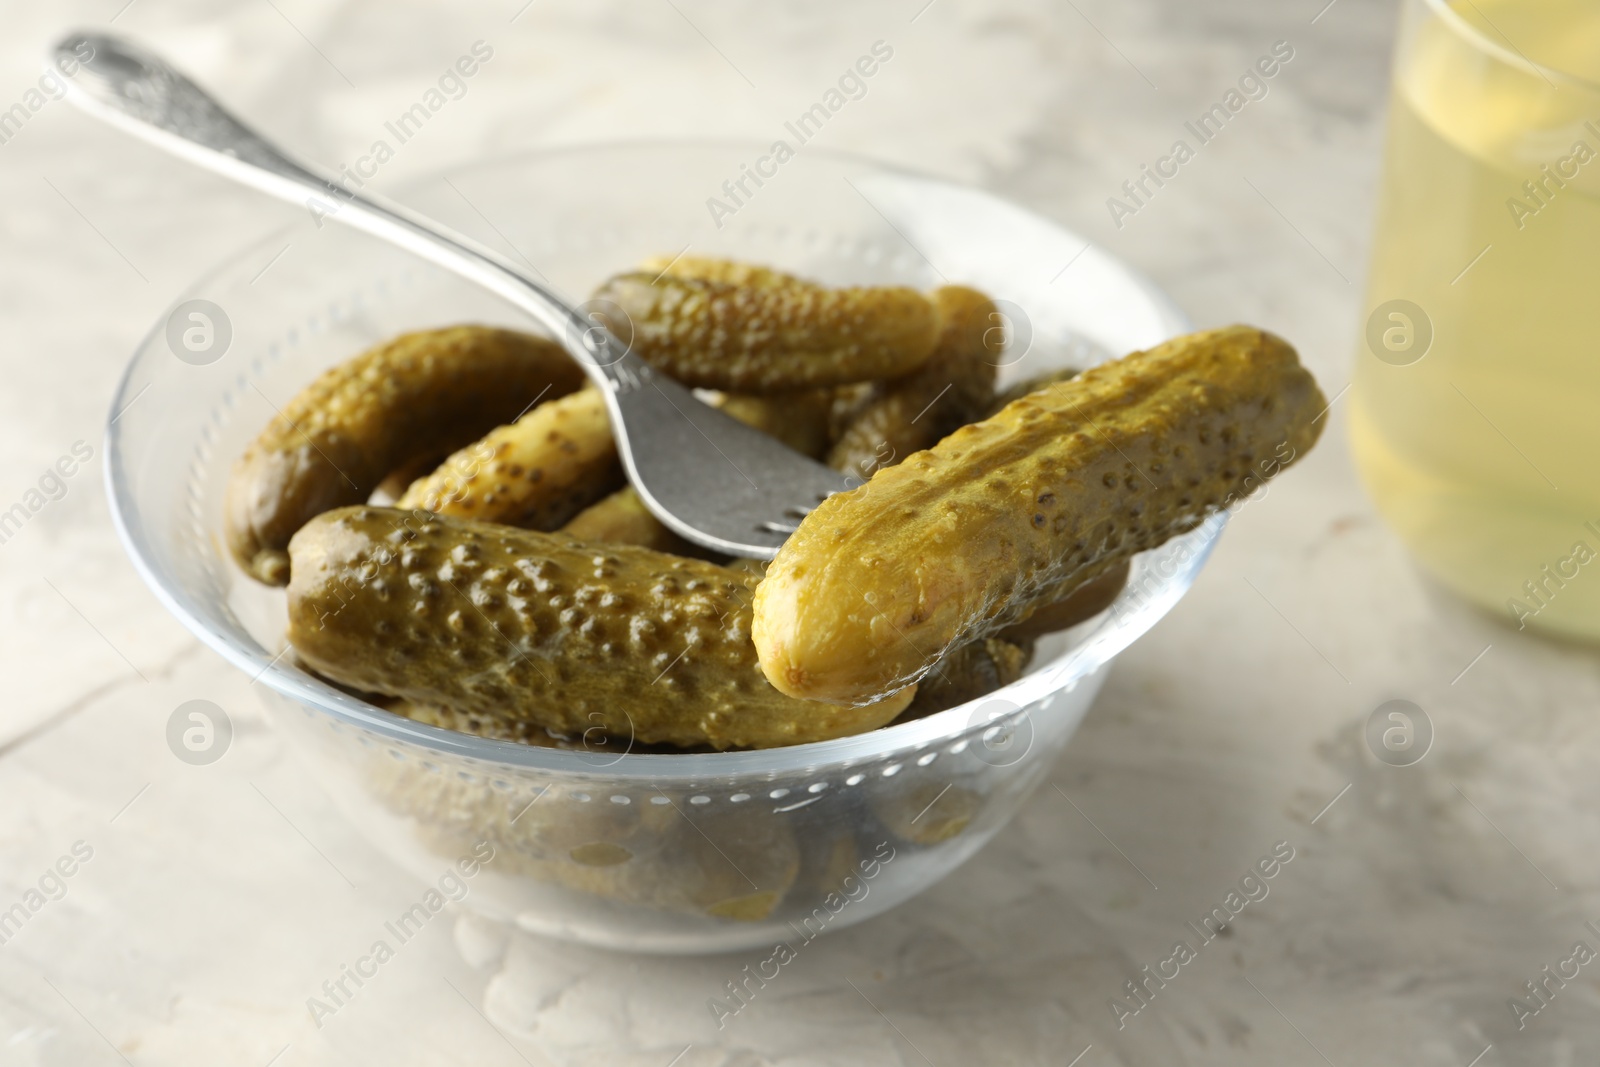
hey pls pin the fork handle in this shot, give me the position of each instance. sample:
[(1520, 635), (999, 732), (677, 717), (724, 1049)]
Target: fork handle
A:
[(136, 90)]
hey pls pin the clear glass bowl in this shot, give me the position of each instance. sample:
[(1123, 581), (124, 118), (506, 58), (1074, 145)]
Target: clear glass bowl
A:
[(654, 853)]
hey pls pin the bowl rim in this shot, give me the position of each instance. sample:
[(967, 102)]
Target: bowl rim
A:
[(948, 725)]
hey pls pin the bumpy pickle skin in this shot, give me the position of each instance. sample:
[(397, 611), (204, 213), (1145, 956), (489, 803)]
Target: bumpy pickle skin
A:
[(915, 412), (768, 338), (1061, 486), (421, 394), (537, 472), (509, 624)]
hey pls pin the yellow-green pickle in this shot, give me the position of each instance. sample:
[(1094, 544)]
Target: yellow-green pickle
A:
[(768, 338), (538, 472), (417, 396), (1058, 488), (509, 624)]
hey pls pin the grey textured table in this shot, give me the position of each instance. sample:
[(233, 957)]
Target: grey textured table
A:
[(213, 901)]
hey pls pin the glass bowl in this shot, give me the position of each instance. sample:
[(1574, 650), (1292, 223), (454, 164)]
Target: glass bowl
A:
[(647, 852)]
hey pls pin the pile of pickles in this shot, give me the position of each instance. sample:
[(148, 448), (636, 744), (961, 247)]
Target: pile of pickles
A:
[(516, 587)]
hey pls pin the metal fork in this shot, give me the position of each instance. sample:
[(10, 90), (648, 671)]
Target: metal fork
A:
[(710, 478)]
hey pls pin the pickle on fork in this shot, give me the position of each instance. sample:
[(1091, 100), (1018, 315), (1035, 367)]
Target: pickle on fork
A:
[(1061, 486)]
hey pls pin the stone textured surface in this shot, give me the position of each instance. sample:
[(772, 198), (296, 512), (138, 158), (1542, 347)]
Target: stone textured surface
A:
[(219, 898)]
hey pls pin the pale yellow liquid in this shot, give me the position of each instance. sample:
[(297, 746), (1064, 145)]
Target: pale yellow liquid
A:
[(1485, 455)]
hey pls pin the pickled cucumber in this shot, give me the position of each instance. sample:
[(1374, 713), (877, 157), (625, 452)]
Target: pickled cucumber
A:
[(419, 395), (507, 624), (768, 338), (915, 412), (537, 472), (878, 584)]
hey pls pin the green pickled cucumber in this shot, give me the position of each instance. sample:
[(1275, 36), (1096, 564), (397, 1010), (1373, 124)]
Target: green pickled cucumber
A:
[(419, 395), (915, 412), (537, 472), (768, 338), (956, 543), (508, 624)]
